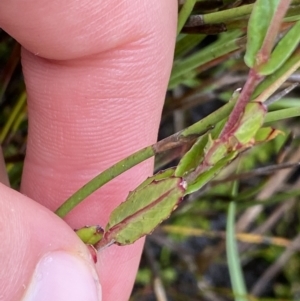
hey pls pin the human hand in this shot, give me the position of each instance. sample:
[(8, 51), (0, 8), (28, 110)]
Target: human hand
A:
[(96, 75)]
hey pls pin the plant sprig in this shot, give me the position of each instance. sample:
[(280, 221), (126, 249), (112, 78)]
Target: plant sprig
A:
[(215, 140)]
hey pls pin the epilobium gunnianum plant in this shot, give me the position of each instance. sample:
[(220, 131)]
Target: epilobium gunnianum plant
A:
[(217, 139)]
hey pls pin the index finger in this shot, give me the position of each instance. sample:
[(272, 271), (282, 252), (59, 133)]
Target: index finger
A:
[(96, 75)]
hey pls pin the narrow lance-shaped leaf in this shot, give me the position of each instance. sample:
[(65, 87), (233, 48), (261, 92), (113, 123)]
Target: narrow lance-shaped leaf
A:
[(161, 175), (192, 158), (195, 155), (282, 51), (143, 210), (250, 122), (260, 19), (210, 173), (274, 81)]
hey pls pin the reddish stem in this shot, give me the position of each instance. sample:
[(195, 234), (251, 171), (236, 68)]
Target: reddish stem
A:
[(241, 103), (264, 54)]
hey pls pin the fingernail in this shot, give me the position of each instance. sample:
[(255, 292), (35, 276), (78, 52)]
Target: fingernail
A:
[(61, 276)]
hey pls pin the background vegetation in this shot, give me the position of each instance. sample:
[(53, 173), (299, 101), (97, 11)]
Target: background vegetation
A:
[(195, 255)]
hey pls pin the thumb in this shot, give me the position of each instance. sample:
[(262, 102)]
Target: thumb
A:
[(41, 258)]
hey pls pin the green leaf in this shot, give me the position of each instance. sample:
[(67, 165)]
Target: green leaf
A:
[(215, 150), (143, 210), (260, 19), (266, 133), (161, 175), (289, 67), (136, 158), (208, 54), (251, 121), (282, 51), (90, 234), (209, 174), (192, 158)]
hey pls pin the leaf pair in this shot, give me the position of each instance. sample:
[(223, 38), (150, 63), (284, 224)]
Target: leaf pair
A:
[(146, 207), (263, 28), (210, 154)]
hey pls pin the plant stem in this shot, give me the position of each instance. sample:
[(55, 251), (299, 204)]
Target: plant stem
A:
[(228, 14), (282, 114), (266, 49), (150, 151), (241, 103), (219, 16), (180, 138), (214, 51), (185, 11), (104, 178), (209, 121)]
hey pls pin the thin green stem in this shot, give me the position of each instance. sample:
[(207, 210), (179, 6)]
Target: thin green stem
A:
[(228, 14), (195, 130), (209, 53), (104, 178), (184, 13), (210, 120), (219, 16), (282, 114)]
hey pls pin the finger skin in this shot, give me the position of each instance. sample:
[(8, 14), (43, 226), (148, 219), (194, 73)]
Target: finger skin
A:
[(23, 242), (96, 76)]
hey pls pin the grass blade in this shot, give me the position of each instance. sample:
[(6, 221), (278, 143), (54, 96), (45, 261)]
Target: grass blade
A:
[(235, 271)]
